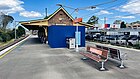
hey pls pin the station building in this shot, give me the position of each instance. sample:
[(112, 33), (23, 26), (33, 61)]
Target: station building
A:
[(59, 17), (62, 19)]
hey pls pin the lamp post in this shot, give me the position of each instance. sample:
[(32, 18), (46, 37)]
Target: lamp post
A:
[(76, 36), (15, 25), (77, 32)]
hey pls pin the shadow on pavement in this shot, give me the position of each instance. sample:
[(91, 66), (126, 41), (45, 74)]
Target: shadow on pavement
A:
[(33, 40), (110, 64)]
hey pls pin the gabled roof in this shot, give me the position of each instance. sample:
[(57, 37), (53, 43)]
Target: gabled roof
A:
[(47, 18), (61, 8)]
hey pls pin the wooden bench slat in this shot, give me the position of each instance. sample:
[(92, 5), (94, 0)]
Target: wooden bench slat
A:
[(99, 52), (91, 56), (103, 53)]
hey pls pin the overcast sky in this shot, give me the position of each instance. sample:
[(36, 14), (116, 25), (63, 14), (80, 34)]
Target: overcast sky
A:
[(24, 10)]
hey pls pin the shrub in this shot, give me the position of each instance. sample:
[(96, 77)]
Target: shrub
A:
[(11, 33), (1, 39), (137, 46), (5, 37)]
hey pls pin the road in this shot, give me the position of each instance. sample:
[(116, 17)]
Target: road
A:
[(33, 60)]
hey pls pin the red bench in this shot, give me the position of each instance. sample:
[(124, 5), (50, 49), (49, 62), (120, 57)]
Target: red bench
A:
[(98, 55)]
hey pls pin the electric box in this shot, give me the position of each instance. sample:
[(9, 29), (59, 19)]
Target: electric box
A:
[(70, 43)]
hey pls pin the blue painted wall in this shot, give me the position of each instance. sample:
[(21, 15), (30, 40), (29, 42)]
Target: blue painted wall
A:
[(57, 35)]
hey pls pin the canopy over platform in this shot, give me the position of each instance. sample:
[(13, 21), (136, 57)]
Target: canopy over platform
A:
[(35, 24)]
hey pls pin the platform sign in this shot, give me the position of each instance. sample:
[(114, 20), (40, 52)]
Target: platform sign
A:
[(78, 38), (77, 20)]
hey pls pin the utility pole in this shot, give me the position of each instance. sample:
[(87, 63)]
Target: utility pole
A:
[(77, 49), (104, 20), (46, 11)]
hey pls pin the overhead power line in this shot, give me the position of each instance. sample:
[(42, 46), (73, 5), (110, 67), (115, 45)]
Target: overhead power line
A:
[(105, 3), (84, 8), (109, 8)]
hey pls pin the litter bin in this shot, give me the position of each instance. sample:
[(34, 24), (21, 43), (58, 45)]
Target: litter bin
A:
[(70, 43)]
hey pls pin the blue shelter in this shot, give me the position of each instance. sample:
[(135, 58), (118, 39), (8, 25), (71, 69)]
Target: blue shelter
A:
[(57, 35)]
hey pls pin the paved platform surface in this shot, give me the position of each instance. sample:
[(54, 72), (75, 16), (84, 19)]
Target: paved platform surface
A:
[(33, 60)]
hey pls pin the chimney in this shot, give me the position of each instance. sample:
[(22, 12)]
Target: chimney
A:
[(46, 12)]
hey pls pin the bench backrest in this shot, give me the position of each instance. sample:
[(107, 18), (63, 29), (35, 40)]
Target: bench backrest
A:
[(101, 52), (113, 53), (102, 47), (98, 46)]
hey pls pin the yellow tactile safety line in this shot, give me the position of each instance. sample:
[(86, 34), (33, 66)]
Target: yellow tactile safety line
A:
[(1, 56)]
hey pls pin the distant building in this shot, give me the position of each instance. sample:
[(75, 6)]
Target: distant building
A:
[(123, 31)]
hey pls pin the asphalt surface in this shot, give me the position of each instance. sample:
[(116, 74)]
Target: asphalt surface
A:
[(33, 60)]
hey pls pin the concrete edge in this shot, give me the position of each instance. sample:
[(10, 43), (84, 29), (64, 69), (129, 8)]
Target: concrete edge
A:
[(9, 48)]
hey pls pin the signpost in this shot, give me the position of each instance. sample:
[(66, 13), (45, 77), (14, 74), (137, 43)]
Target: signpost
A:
[(78, 39), (77, 34)]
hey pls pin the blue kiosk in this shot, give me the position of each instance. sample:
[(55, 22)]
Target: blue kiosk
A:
[(57, 35)]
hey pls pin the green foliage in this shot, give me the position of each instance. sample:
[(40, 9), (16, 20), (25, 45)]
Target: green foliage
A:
[(10, 34), (136, 22), (123, 25), (5, 19), (1, 39), (20, 31), (5, 37), (136, 46), (93, 20), (117, 22)]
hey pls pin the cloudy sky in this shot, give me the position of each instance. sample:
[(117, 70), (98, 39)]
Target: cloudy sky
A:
[(24, 10)]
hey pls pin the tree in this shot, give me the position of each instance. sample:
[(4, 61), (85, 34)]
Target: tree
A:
[(117, 22), (136, 22), (4, 20), (93, 20), (123, 25), (5, 37)]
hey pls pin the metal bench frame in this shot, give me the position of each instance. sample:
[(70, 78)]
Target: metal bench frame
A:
[(119, 56), (94, 53)]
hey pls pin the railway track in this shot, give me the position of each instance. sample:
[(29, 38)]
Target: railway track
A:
[(12, 43)]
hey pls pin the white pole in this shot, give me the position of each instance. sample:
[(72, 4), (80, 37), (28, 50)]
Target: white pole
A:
[(15, 30), (122, 64), (77, 49)]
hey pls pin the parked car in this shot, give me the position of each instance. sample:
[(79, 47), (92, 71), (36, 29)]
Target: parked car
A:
[(96, 37), (88, 37), (113, 40), (122, 40), (103, 38), (133, 40)]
